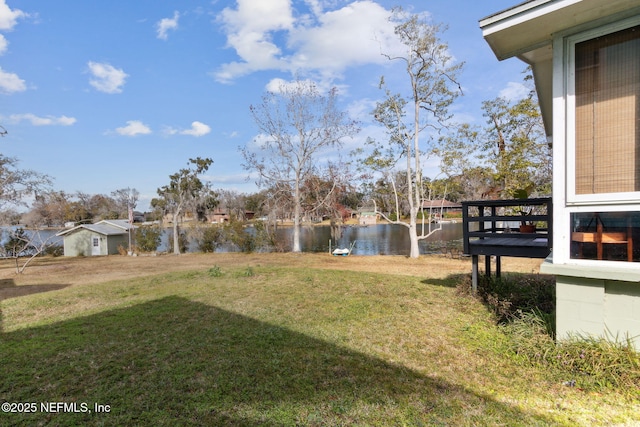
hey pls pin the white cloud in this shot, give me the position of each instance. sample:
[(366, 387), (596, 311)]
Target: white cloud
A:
[(514, 91), (362, 109), (354, 35), (8, 17), (315, 6), (238, 178), (166, 24), (326, 43), (3, 44), (250, 29), (279, 85), (133, 128), (43, 121), (107, 78), (197, 129), (10, 82)]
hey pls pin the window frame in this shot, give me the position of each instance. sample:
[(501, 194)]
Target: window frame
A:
[(597, 199)]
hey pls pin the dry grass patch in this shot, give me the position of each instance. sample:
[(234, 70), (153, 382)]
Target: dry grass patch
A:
[(87, 270)]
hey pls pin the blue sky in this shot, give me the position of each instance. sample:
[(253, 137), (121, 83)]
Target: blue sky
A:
[(103, 95)]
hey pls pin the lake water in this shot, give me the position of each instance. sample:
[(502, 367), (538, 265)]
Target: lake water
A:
[(381, 239)]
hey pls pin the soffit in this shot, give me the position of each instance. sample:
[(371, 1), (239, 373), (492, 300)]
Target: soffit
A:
[(531, 25)]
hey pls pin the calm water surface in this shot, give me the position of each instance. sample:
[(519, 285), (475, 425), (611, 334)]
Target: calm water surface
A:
[(381, 239)]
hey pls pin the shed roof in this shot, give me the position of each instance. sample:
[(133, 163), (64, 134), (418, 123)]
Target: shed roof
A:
[(105, 227)]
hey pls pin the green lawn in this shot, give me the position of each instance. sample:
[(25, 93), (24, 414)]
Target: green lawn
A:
[(277, 346)]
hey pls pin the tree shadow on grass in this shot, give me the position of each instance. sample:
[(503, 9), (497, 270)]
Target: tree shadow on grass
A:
[(9, 289), (451, 281), (177, 362)]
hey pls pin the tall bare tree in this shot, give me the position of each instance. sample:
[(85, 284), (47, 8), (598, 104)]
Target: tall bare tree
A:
[(421, 109), (298, 124)]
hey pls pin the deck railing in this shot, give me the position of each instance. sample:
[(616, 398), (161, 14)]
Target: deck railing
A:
[(490, 219), (492, 228)]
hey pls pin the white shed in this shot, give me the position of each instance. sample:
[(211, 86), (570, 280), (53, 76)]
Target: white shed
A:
[(101, 238)]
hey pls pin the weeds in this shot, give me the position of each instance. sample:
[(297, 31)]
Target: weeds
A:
[(215, 271), (586, 362), (509, 295), (524, 306)]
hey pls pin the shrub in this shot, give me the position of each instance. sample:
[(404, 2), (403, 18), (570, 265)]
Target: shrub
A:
[(511, 294), (263, 238), (235, 233), (207, 237), (18, 244), (148, 238), (53, 250)]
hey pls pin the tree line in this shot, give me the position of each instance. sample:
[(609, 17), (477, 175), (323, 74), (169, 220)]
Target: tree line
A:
[(303, 173)]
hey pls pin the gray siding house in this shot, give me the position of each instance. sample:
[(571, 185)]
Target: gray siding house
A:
[(101, 238)]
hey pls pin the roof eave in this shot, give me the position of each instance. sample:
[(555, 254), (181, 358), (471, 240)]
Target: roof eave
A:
[(532, 25), (526, 31)]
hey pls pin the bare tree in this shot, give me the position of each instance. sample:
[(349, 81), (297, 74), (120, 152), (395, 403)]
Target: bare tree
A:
[(298, 124), (16, 184), (432, 77), (126, 200), (24, 245)]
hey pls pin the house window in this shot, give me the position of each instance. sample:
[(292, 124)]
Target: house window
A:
[(607, 116), (605, 236)]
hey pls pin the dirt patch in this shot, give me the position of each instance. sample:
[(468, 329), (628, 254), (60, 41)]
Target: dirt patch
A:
[(68, 271)]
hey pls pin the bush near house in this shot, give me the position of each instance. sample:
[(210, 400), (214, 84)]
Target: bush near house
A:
[(524, 306)]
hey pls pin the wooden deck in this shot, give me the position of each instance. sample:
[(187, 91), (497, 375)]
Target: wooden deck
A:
[(491, 228)]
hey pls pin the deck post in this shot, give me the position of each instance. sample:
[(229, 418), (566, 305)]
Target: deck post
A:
[(474, 273), (487, 265), (498, 265)]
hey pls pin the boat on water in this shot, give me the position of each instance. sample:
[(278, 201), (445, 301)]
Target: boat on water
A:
[(342, 251)]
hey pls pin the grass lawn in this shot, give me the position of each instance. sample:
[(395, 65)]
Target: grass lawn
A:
[(270, 339)]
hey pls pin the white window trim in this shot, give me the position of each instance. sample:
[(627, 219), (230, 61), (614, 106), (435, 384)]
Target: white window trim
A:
[(599, 199)]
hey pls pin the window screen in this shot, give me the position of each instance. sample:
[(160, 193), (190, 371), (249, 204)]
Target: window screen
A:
[(607, 80)]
